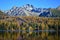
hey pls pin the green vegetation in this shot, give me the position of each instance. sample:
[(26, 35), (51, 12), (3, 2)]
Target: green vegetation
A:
[(55, 12), (14, 25), (2, 14)]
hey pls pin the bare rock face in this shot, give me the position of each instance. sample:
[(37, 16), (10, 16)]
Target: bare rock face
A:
[(27, 10)]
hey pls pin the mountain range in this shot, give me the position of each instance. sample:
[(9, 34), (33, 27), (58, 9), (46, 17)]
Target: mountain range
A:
[(30, 10)]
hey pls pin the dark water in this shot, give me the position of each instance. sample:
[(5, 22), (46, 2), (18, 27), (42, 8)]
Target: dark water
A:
[(25, 35)]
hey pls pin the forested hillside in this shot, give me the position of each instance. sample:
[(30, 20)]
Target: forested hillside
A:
[(55, 12), (29, 27)]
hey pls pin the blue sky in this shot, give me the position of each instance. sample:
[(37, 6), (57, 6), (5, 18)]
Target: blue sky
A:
[(8, 4)]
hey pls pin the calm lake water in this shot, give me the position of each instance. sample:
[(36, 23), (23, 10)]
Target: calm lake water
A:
[(26, 35)]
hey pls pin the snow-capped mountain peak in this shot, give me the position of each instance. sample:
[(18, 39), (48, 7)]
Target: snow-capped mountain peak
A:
[(27, 10), (28, 7)]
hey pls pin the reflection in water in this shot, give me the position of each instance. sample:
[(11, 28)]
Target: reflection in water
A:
[(36, 34)]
